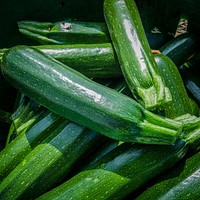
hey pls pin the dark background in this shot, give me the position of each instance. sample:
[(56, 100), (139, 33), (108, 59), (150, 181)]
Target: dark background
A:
[(160, 13)]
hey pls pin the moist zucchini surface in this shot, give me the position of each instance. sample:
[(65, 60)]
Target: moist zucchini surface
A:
[(74, 96), (134, 54)]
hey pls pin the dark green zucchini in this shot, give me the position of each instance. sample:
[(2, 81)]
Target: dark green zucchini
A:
[(74, 96), (181, 104), (65, 32), (57, 33), (49, 162), (181, 48), (125, 161), (133, 51), (15, 152), (100, 60), (119, 172), (184, 186), (92, 60)]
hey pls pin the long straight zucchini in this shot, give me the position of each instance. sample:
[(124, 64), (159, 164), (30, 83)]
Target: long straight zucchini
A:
[(184, 186), (125, 161), (92, 60), (49, 162), (69, 32), (74, 96), (133, 51), (123, 164), (181, 104), (65, 32), (100, 60)]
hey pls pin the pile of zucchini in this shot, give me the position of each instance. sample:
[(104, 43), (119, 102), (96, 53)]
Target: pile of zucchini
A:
[(99, 114)]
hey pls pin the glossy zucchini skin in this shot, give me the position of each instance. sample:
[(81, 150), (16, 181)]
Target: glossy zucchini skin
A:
[(124, 161), (185, 185), (181, 48), (15, 152), (49, 162), (92, 60), (65, 32), (134, 54), (181, 103), (74, 96)]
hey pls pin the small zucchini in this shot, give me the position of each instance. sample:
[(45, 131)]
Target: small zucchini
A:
[(75, 97), (65, 32), (134, 54)]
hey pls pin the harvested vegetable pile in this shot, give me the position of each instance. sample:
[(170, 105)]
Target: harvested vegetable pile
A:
[(102, 110)]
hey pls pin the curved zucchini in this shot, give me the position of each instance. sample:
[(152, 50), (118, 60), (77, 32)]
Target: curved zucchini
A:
[(136, 60), (181, 48), (65, 32), (74, 96), (184, 186), (181, 103)]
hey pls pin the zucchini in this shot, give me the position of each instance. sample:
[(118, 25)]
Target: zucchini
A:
[(184, 186), (14, 152), (65, 32), (52, 161), (181, 48), (67, 144), (55, 33), (100, 60), (93, 60), (74, 96), (181, 104), (124, 161), (92, 184), (136, 60)]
